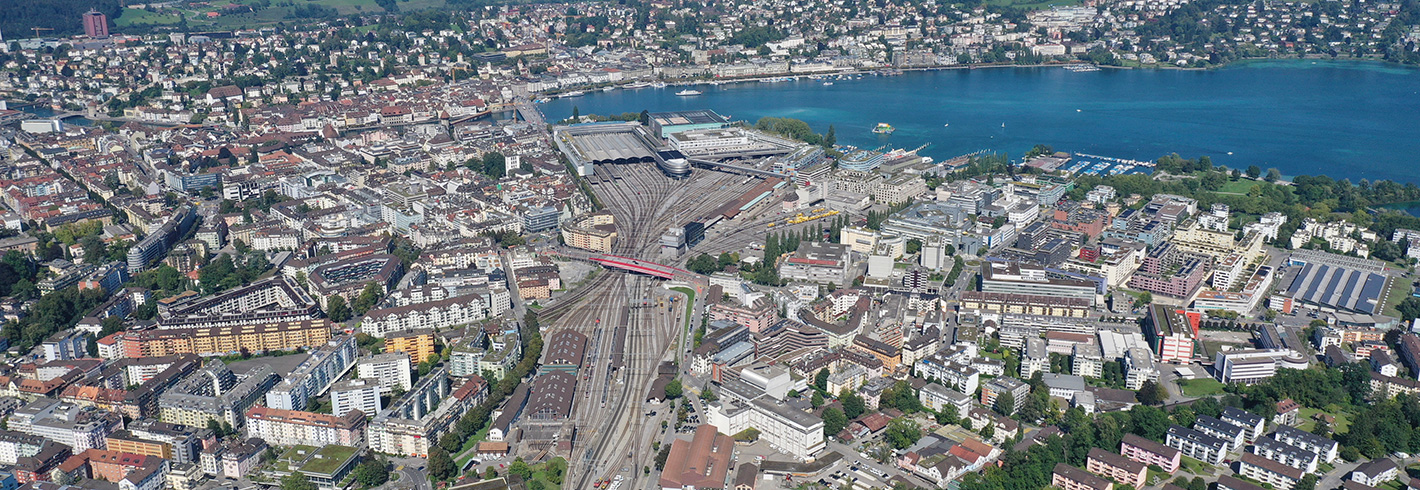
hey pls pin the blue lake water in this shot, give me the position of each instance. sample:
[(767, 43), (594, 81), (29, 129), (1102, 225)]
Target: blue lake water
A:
[(1344, 119)]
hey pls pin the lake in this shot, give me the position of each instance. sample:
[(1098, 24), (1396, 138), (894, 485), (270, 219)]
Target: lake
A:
[(1344, 119)]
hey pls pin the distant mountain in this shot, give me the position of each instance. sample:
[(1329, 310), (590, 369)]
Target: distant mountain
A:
[(64, 16)]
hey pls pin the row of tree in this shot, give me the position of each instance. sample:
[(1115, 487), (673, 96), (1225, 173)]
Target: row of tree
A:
[(441, 464)]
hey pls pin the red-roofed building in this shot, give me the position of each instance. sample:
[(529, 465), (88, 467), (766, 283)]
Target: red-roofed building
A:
[(702, 462)]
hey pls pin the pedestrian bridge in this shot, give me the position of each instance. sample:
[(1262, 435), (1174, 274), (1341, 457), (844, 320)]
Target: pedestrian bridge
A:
[(638, 266)]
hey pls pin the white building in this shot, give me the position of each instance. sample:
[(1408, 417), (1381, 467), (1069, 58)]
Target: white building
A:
[(391, 369), (361, 394), (292, 427), (459, 310), (315, 375)]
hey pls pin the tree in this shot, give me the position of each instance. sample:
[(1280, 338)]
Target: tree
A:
[(673, 389), (336, 309), (1273, 175), (1254, 171), (297, 481), (367, 299), (853, 405), (1005, 404), (372, 472), (902, 433), (1308, 482), (1151, 393), (494, 164), (451, 442), (816, 400), (1143, 300), (520, 468), (441, 466), (1149, 422), (490, 473), (833, 421), (821, 379)]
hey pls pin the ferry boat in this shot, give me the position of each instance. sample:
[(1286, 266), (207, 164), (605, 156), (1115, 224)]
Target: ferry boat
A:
[(575, 93), (658, 85), (608, 89), (884, 128), (827, 83), (638, 85), (688, 92)]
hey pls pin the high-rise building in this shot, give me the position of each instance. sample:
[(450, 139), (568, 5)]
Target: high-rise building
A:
[(95, 24)]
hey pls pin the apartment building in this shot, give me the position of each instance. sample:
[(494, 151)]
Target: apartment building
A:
[(458, 310), (997, 386), (314, 376), (1086, 360), (362, 394), (1149, 452), (419, 344), (391, 369), (226, 339), (75, 426), (1217, 428), (1197, 445), (1117, 467), (1068, 477), (291, 427), (1269, 472), (214, 393), (1254, 424), (1286, 454), (1326, 449)]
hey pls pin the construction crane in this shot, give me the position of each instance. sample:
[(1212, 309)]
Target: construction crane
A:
[(37, 29)]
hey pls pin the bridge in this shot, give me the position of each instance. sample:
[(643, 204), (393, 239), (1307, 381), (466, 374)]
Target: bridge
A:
[(638, 266)]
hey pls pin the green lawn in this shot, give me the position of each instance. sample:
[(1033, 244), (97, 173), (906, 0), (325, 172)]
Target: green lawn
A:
[(1201, 387), (1196, 467), (1239, 187), (543, 472), (689, 311), (1306, 422), (1397, 290)]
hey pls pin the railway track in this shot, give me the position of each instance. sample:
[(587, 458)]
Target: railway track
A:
[(644, 203)]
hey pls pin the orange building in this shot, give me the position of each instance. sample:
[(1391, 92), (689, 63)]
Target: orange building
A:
[(419, 344), (125, 442), (225, 340)]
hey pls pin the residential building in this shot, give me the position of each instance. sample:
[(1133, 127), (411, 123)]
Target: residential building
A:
[(391, 369), (1150, 453), (1254, 424), (1117, 467), (1326, 449), (1217, 428), (290, 427), (1197, 445), (1269, 472), (419, 344), (1286, 454), (1068, 477), (362, 394), (314, 376), (997, 386), (1375, 472)]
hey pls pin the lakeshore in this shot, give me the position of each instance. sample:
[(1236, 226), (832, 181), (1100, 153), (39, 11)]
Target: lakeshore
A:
[(1136, 114)]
